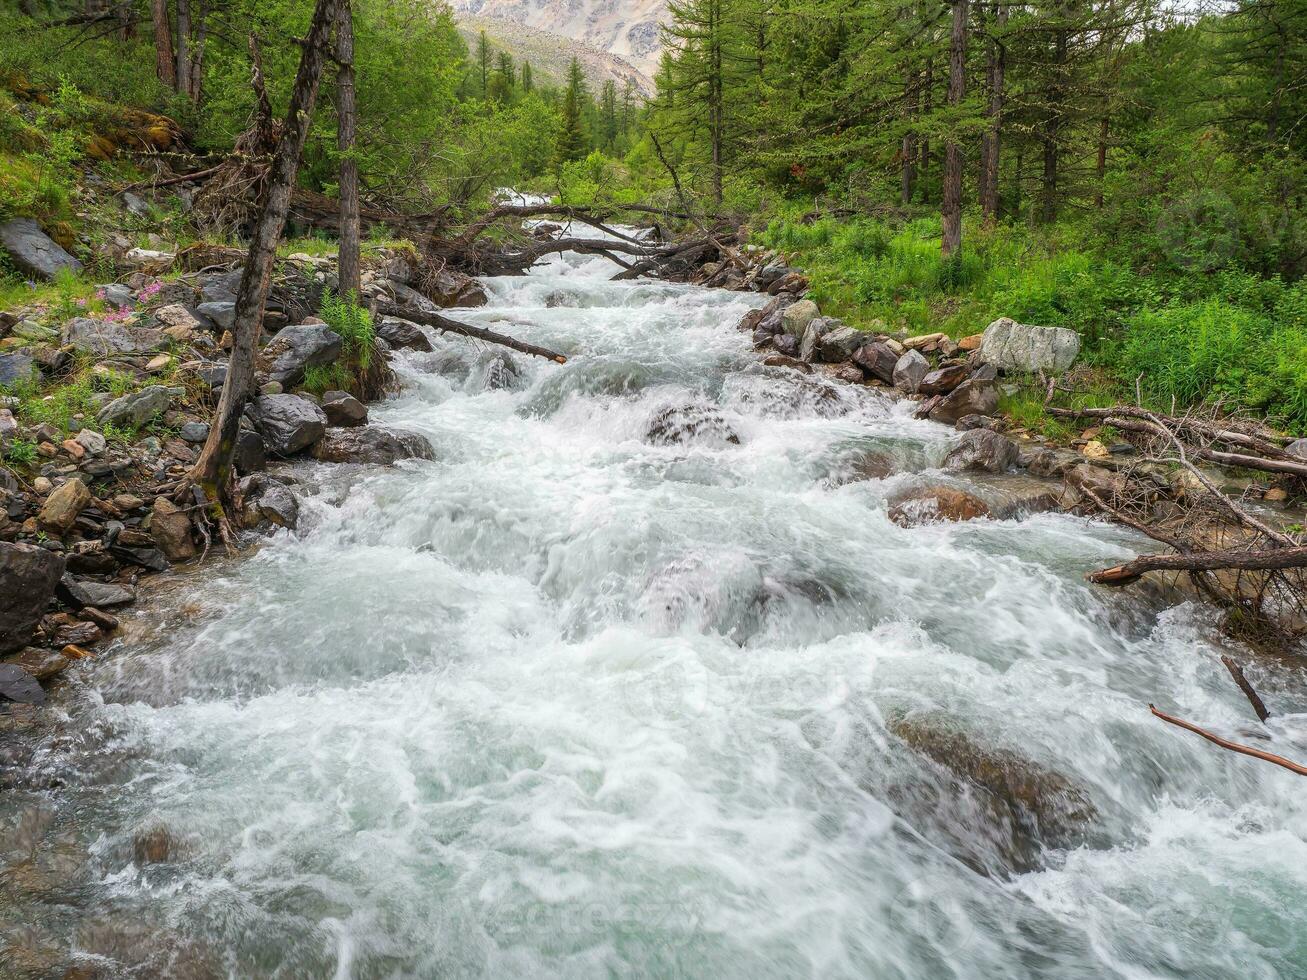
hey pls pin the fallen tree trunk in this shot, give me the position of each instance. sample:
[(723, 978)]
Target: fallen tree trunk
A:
[(467, 330), (1202, 561)]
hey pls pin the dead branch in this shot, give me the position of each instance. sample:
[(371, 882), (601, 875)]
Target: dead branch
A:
[(1227, 744), (1202, 561), (467, 330), (1259, 706)]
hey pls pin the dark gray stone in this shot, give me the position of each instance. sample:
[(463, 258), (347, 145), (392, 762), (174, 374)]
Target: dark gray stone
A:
[(17, 368), (343, 409), (878, 360), (981, 449), (32, 251), (87, 592), (194, 432), (135, 409), (104, 338), (910, 368), (968, 398), (28, 577), (402, 333), (371, 445), (18, 685), (222, 312), (288, 423), (296, 349), (250, 456)]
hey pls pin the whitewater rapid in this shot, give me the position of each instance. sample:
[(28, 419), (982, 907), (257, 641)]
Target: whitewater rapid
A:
[(565, 702)]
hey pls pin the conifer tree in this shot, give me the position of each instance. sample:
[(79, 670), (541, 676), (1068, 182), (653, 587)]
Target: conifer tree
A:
[(572, 141)]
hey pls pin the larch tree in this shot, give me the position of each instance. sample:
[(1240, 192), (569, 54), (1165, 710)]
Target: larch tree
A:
[(348, 267)]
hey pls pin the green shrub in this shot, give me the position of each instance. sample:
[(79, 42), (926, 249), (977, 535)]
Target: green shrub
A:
[(327, 377), (21, 453), (354, 324)]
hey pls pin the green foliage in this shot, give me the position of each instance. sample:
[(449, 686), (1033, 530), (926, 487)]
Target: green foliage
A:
[(354, 324), (20, 452), (572, 141), (328, 377)]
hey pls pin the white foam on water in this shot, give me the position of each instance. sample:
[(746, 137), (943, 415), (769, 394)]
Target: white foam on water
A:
[(564, 702)]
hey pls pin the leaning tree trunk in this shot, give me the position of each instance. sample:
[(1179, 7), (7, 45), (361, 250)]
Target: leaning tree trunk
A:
[(164, 66), (212, 470), (348, 262), (951, 210)]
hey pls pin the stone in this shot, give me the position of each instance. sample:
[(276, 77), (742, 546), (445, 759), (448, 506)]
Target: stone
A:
[(18, 685), (220, 312), (343, 409), (296, 349), (28, 577), (74, 448), (877, 360), (787, 345), (40, 663), (104, 338), (971, 343), (980, 449), (371, 444), (269, 500), (402, 334), (1013, 346), (170, 529), (87, 592), (158, 364), (60, 510), (250, 455), (8, 425), (133, 410), (1103, 483), (177, 315), (32, 251), (149, 260), (288, 423), (449, 289), (927, 505), (909, 369), (92, 441), (812, 335), (773, 314), (924, 342), (116, 294), (795, 319), (17, 368), (194, 432), (1093, 449), (839, 344), (943, 380), (1297, 448), (680, 424), (968, 398), (969, 422)]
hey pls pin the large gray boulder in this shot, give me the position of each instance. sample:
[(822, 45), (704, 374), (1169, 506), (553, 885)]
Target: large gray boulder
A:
[(32, 251), (909, 370), (795, 319), (288, 423), (133, 410), (104, 338), (28, 576), (839, 344), (1014, 346), (296, 349), (969, 398), (981, 449), (371, 444), (401, 333)]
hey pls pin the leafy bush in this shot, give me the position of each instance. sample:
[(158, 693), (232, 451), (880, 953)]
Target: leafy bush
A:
[(354, 324), (21, 453)]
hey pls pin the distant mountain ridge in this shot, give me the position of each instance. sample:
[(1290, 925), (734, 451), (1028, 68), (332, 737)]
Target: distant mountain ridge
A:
[(628, 29)]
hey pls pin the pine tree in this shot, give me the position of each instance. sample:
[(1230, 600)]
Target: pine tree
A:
[(572, 141), (608, 124), (484, 52), (527, 83)]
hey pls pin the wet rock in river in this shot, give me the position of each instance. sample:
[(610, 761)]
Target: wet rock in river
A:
[(343, 409), (28, 578), (16, 684), (87, 592), (928, 505), (402, 334), (269, 500), (170, 529), (980, 449), (372, 444), (288, 423), (1037, 807), (943, 380), (969, 398), (909, 369), (40, 662), (877, 360), (680, 424)]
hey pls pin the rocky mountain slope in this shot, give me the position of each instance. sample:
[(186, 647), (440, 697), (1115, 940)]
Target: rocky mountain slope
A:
[(550, 53), (625, 28)]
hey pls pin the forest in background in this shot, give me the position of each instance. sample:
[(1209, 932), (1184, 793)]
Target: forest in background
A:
[(1121, 168)]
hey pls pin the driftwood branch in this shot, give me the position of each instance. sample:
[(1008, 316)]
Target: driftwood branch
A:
[(1277, 760), (1202, 561), (480, 333), (1259, 706)]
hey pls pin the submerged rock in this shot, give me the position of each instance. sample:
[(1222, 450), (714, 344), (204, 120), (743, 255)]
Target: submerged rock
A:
[(680, 424), (928, 505), (981, 449)]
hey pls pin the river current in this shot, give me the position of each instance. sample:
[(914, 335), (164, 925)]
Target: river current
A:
[(571, 701)]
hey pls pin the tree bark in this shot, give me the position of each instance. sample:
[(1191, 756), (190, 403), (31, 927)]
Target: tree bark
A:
[(183, 46), (1053, 124), (1100, 167), (164, 65), (951, 211), (467, 330), (908, 175), (992, 141), (927, 106), (346, 110), (212, 470), (195, 86)]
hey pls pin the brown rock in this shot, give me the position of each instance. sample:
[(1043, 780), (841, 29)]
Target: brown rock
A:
[(170, 527), (928, 505), (41, 663), (74, 448), (63, 505), (969, 398), (99, 617), (943, 380), (153, 846), (971, 343), (877, 359)]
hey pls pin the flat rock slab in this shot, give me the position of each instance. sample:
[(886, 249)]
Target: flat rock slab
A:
[(32, 251)]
